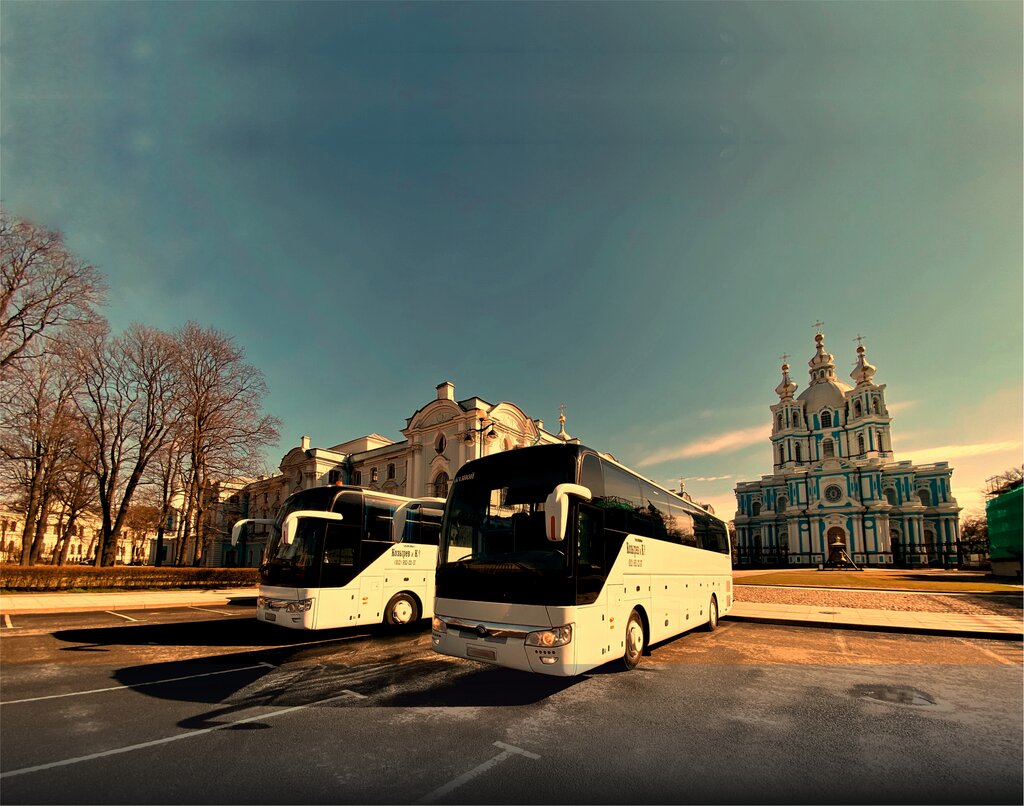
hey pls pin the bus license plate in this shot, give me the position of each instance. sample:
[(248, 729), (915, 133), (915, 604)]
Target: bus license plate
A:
[(479, 652), (270, 616)]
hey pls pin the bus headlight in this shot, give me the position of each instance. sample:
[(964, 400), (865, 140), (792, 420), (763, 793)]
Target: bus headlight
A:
[(301, 606), (557, 636), (438, 625)]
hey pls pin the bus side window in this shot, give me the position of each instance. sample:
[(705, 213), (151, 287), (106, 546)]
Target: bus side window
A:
[(379, 517), (341, 545), (590, 555)]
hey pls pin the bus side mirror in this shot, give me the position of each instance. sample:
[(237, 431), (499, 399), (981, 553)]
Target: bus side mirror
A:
[(288, 527), (556, 509), (236, 530)]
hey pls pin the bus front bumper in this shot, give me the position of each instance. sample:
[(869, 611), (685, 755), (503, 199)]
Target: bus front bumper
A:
[(297, 614), (502, 645)]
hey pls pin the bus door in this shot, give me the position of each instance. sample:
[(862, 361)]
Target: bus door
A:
[(378, 517), (593, 611), (337, 603)]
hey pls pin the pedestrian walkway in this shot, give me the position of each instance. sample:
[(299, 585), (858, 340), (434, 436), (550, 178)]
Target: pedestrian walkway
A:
[(977, 626), (19, 603), (857, 618)]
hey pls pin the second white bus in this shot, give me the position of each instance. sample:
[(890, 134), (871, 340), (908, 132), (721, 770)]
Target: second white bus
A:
[(557, 559), (341, 556)]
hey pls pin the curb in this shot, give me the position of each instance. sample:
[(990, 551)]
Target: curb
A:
[(1003, 636)]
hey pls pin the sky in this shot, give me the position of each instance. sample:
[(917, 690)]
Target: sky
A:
[(632, 209)]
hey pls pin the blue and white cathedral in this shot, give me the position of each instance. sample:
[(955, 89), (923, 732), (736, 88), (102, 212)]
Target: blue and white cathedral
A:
[(835, 483)]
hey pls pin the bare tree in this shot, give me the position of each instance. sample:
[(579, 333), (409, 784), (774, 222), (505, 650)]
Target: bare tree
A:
[(223, 397), (37, 435), (45, 289), (128, 407)]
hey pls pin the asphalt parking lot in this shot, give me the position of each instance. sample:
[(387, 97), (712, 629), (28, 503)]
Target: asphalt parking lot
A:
[(199, 706)]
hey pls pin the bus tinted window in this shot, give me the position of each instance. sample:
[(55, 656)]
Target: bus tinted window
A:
[(621, 501), (680, 526), (379, 516)]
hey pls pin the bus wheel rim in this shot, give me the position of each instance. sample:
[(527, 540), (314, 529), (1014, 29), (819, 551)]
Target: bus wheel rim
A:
[(635, 638), (401, 612)]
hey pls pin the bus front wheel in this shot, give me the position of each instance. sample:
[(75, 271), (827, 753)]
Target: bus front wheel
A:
[(634, 641), (712, 615), (401, 610)]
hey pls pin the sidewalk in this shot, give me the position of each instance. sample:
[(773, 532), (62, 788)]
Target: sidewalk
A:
[(968, 625), (12, 604), (901, 621)]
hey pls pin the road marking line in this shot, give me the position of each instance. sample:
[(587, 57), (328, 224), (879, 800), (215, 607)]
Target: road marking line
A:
[(157, 742), (508, 751), (991, 654), (137, 685), (208, 610), (7, 622), (122, 615)]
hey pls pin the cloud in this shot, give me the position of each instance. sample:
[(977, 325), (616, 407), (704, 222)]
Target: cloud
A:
[(708, 478), (727, 442), (949, 453), (902, 405)]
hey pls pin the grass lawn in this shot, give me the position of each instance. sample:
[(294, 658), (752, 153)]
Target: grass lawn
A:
[(909, 580)]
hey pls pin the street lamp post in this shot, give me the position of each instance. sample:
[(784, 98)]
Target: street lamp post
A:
[(469, 436)]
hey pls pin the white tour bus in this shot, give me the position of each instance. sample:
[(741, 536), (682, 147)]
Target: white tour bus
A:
[(557, 559), (340, 556)]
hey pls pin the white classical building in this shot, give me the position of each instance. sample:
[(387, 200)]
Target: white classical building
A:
[(439, 437), (836, 485)]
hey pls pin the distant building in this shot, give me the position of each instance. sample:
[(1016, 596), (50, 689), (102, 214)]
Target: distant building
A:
[(1004, 514), (439, 437), (835, 484)]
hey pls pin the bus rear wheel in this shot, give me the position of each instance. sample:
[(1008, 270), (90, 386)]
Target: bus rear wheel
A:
[(634, 641), (401, 610), (712, 615)]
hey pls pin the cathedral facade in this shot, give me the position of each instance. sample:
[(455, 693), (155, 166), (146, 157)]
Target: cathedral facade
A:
[(836, 486)]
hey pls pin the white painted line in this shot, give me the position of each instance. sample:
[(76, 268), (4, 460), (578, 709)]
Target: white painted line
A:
[(137, 685), (157, 742), (7, 622), (208, 610), (991, 654), (122, 615), (508, 751)]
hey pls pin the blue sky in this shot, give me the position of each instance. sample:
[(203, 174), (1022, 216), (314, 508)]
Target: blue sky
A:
[(632, 209)]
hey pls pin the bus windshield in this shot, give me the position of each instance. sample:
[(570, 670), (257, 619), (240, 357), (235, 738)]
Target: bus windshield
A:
[(297, 562), (495, 514)]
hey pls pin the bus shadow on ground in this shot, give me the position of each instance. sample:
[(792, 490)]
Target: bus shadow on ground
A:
[(213, 633)]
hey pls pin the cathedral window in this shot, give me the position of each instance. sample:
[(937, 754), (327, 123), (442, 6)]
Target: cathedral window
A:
[(778, 422), (796, 449), (826, 419), (857, 410), (860, 444), (925, 496), (782, 454), (781, 504), (828, 448), (374, 476), (796, 418), (391, 470), (755, 508), (890, 495), (441, 443), (874, 405)]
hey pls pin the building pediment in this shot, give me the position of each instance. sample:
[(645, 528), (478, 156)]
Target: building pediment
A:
[(435, 413)]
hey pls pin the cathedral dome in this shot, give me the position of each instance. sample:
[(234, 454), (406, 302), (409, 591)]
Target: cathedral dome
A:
[(825, 389), (824, 393)]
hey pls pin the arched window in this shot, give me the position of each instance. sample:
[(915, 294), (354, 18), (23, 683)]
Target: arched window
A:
[(925, 496), (860, 443), (878, 438), (778, 421), (755, 508), (828, 448), (826, 419), (874, 405), (857, 410), (391, 470), (782, 455), (796, 417), (441, 485), (796, 452), (890, 495), (781, 504)]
